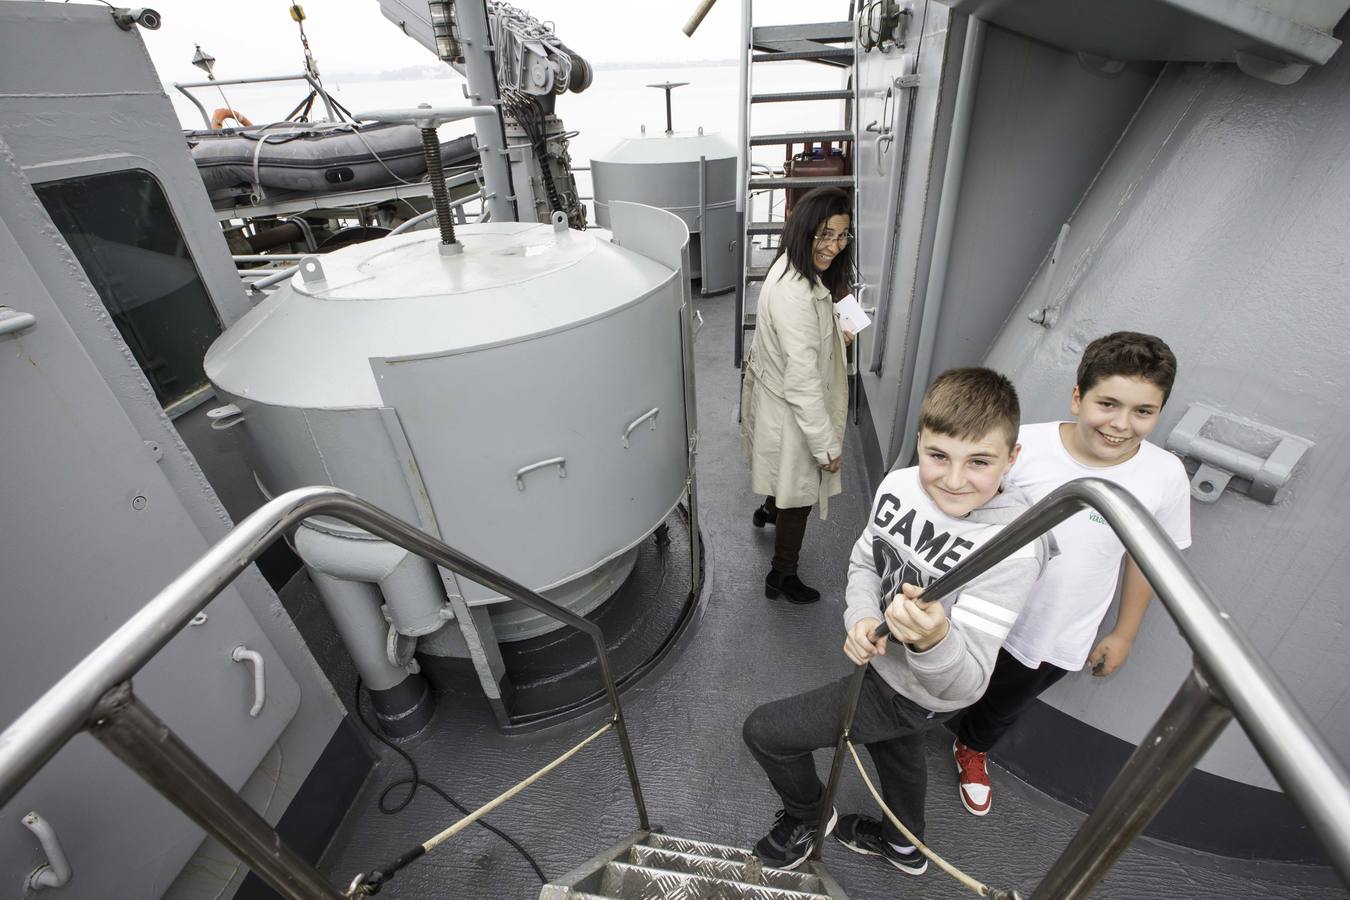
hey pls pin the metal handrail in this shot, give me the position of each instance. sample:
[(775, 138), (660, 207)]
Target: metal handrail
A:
[(183, 86), (65, 709), (1228, 668)]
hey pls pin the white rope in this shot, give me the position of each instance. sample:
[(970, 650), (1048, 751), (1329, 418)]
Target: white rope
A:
[(488, 807), (976, 886)]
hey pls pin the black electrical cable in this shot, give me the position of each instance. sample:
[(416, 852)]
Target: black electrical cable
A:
[(416, 781)]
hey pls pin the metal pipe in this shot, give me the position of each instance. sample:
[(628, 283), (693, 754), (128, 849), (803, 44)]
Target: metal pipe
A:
[(137, 737), (431, 214), (182, 89), (354, 607), (1301, 760), (265, 257), (274, 279), (59, 714), (1176, 742), (480, 69), (697, 18), (938, 261), (181, 85)]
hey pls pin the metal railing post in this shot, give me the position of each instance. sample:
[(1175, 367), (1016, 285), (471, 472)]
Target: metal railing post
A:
[(148, 747), (837, 764), (1166, 755)]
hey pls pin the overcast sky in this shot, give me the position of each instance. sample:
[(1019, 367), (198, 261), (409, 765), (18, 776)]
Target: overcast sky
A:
[(257, 37)]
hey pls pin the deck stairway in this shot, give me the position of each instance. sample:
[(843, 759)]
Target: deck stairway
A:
[(654, 865), (830, 46)]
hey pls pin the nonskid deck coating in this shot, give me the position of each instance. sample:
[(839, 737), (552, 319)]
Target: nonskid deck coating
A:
[(699, 780)]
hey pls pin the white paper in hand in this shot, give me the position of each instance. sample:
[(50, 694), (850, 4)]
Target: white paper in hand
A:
[(850, 314)]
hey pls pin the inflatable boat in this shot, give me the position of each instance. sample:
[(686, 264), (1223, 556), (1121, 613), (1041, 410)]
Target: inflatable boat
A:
[(315, 158)]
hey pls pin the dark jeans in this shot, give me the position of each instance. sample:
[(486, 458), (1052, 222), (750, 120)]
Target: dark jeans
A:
[(782, 734), (789, 531), (1012, 688)]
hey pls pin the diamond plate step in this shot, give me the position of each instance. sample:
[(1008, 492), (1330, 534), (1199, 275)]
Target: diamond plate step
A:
[(812, 31), (756, 273), (699, 848), (631, 882), (802, 181), (795, 96), (822, 53), (765, 227), (799, 137), (729, 870)]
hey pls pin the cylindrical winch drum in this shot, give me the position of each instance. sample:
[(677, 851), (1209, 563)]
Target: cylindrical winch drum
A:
[(692, 175), (525, 397)]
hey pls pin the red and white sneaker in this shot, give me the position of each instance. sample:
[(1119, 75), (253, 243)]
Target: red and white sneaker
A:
[(974, 779)]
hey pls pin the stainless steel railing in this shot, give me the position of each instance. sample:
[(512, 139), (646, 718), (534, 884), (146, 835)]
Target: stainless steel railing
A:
[(1229, 678), (96, 693)]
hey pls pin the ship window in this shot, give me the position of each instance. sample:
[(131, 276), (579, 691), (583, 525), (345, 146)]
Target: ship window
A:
[(123, 233)]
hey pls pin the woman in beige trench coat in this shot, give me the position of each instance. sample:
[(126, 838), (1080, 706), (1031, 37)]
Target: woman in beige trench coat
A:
[(794, 400)]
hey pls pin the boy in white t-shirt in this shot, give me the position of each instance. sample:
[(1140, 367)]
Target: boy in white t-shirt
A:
[(1123, 381)]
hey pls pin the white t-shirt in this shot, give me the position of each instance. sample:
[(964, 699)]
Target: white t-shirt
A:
[(1059, 623)]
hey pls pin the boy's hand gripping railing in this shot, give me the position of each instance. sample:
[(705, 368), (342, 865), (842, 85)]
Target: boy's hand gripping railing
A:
[(96, 694), (1229, 677)]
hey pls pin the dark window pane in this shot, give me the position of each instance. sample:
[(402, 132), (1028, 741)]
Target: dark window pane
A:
[(123, 233)]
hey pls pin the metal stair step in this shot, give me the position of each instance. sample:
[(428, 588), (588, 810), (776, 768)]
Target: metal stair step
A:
[(642, 883), (794, 96), (764, 227), (802, 181), (701, 848), (799, 137), (750, 872), (756, 273), (824, 32), (822, 53)]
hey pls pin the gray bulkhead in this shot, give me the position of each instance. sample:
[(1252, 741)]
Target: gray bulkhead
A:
[(102, 502), (1201, 204)]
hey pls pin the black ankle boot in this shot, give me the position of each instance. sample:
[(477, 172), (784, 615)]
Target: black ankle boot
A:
[(764, 516), (790, 586)]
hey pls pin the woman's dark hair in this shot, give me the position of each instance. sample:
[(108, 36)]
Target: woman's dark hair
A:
[(809, 214)]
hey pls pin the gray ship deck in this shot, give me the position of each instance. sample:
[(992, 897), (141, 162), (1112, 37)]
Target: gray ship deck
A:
[(685, 721)]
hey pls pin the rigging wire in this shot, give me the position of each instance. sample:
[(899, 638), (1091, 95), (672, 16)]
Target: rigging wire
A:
[(415, 781)]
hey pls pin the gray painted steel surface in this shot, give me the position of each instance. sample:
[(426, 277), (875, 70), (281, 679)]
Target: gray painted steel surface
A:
[(92, 525), (692, 175), (80, 97), (1219, 223)]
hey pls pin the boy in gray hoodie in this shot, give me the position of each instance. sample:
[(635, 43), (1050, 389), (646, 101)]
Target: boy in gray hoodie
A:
[(938, 659)]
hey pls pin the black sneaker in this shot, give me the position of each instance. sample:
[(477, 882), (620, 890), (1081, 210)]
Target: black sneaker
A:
[(790, 841), (863, 835)]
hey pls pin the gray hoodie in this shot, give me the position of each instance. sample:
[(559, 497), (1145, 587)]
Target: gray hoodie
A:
[(908, 539)]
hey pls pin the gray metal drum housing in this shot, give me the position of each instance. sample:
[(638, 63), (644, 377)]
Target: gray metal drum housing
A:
[(692, 175), (523, 399)]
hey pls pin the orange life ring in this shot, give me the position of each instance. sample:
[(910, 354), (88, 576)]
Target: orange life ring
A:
[(219, 116)]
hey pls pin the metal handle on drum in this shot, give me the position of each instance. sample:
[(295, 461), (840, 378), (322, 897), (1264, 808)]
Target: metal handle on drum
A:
[(559, 461), (649, 414), (253, 658), (223, 417), (12, 321)]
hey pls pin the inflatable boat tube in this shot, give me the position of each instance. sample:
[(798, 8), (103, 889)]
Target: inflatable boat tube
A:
[(317, 158)]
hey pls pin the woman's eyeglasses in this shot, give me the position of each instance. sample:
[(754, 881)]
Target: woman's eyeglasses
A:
[(829, 237)]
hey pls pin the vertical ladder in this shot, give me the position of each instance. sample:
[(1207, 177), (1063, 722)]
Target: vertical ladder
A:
[(830, 45)]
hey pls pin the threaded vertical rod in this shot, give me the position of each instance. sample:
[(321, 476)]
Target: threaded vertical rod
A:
[(440, 198)]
